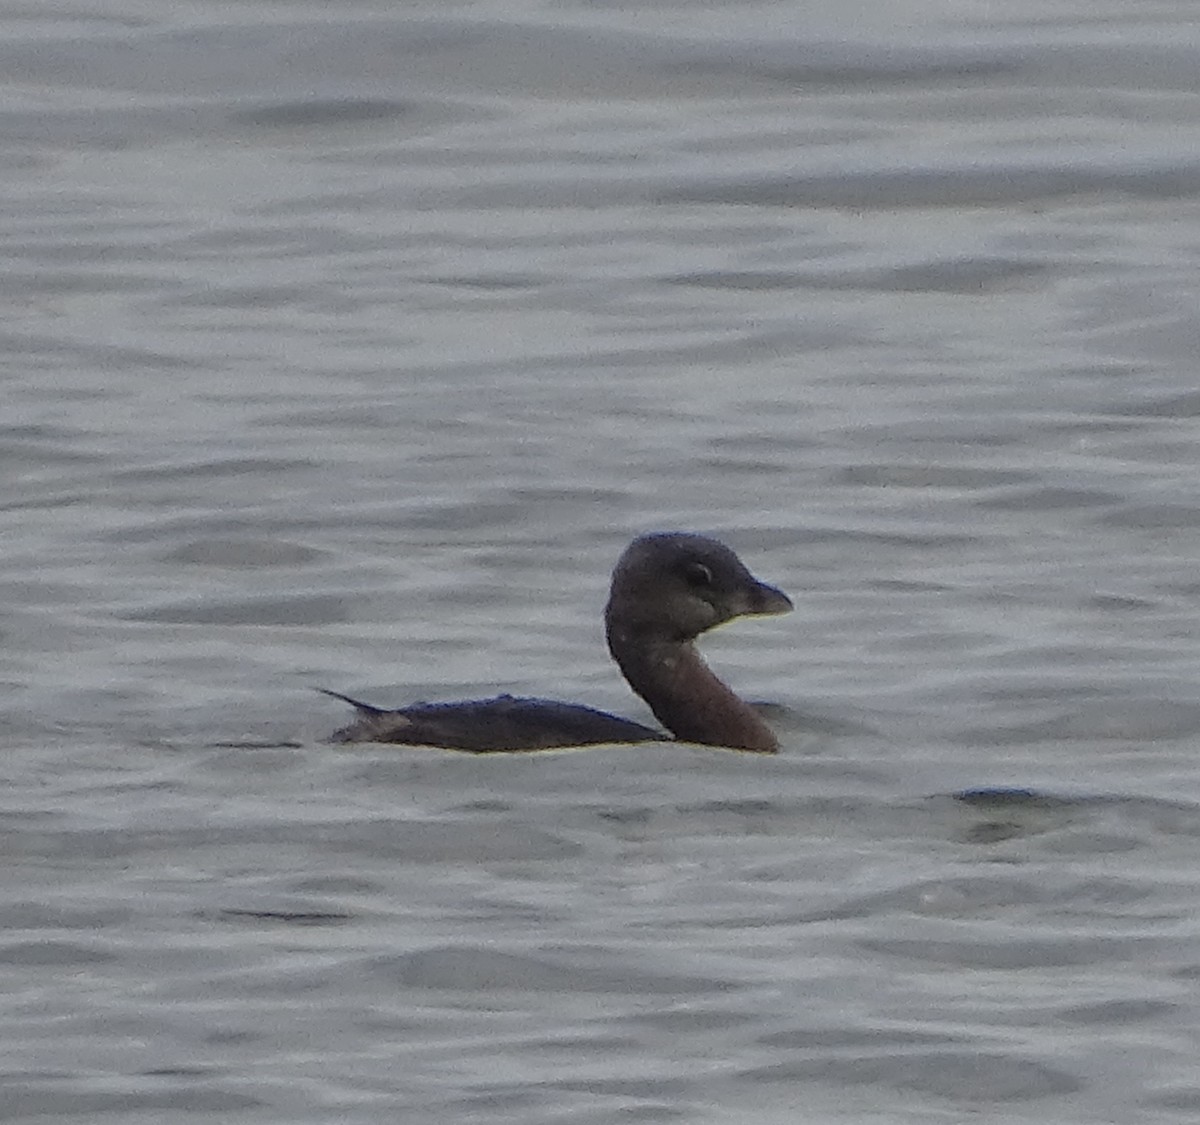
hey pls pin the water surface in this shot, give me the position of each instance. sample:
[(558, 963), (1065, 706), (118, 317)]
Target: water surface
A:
[(349, 348)]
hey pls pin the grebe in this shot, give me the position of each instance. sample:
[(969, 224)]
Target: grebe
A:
[(667, 589)]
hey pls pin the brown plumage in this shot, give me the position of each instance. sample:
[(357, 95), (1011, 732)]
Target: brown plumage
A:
[(667, 589)]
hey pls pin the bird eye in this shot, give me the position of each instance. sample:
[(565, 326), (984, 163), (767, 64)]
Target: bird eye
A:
[(697, 574)]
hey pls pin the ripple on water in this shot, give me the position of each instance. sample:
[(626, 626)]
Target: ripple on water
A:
[(58, 1098), (488, 971), (63, 953), (413, 840), (1123, 720), (298, 609), (244, 553), (973, 1075), (1012, 952)]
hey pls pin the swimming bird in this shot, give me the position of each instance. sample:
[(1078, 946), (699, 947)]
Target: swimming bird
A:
[(667, 589)]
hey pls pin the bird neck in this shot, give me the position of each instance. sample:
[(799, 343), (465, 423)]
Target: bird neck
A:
[(685, 695)]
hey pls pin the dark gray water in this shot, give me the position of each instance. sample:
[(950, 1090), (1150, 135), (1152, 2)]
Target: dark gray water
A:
[(345, 347)]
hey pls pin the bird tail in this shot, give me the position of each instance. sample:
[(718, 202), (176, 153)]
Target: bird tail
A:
[(357, 704)]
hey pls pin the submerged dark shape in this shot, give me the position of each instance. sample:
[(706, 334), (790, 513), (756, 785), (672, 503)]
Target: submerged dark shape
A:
[(667, 589)]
